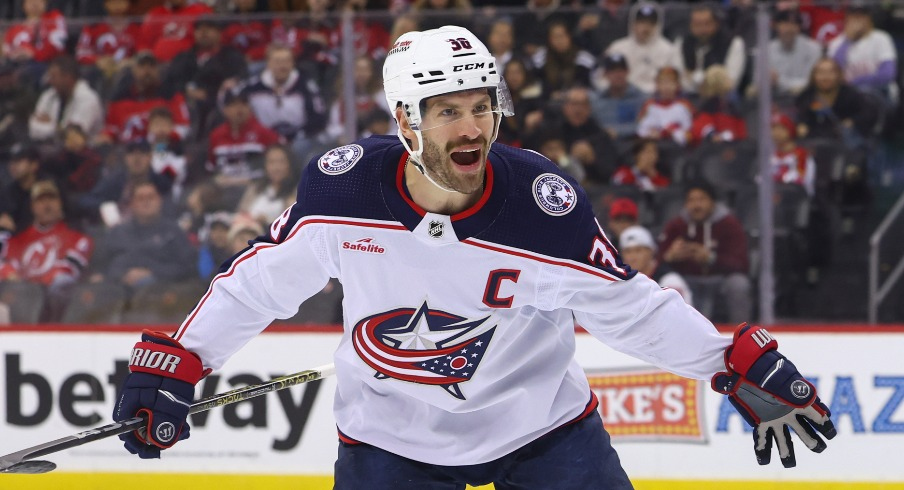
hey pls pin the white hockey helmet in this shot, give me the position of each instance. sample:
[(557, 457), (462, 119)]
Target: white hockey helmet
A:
[(424, 64)]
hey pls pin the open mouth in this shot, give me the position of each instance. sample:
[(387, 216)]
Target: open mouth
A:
[(466, 157)]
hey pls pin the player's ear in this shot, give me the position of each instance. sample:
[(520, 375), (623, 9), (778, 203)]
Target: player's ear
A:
[(404, 126)]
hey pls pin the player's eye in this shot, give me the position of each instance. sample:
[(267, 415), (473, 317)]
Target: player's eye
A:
[(481, 108), (447, 112)]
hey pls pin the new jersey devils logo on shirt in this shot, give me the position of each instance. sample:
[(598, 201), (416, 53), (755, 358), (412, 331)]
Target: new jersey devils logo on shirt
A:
[(422, 345)]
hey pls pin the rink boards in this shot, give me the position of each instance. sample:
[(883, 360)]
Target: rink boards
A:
[(670, 432)]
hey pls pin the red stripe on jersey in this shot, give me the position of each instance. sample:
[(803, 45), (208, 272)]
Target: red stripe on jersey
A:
[(538, 258), (400, 174), (471, 211), (346, 439), (253, 251)]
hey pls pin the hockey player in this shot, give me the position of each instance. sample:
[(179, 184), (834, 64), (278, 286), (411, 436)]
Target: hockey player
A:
[(464, 265)]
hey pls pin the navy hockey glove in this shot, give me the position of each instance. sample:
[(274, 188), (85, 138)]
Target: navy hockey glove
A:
[(160, 387), (772, 396)]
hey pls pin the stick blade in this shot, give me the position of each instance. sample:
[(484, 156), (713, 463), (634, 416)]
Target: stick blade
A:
[(33, 467)]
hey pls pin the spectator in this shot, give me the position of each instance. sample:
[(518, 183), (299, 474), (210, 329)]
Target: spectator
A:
[(830, 108), (666, 116), (825, 21), (623, 214), (15, 202), (77, 167), (312, 39), (215, 248), (709, 43), (551, 144), (618, 106), (791, 164), (369, 96), (168, 157), (586, 141), (236, 147), (866, 55), (708, 246), (68, 100), (242, 231), (526, 94), (532, 25), (17, 101), (202, 201), (644, 173), (146, 248), (288, 102), (250, 36), (719, 119), (39, 38), (597, 29), (108, 46), (48, 252), (791, 54), (139, 92), (432, 14), (370, 35), (645, 50), (199, 72), (501, 42), (167, 29), (638, 250), (118, 185), (267, 197), (561, 64)]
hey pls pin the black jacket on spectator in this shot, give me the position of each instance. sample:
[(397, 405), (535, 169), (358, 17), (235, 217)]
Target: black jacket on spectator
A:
[(113, 187), (849, 104), (161, 247)]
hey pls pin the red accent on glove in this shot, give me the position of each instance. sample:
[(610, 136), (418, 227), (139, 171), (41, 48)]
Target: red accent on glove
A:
[(749, 344), (168, 359)]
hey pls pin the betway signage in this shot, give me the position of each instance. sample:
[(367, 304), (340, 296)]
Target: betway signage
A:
[(663, 426)]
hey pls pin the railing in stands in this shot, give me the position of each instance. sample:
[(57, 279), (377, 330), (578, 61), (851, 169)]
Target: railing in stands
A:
[(877, 291)]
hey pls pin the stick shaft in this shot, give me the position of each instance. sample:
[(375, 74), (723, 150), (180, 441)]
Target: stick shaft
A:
[(135, 423)]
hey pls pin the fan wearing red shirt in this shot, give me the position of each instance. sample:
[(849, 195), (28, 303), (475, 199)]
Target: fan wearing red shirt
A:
[(643, 173), (40, 37), (108, 45), (791, 164), (251, 37), (168, 30), (48, 252), (236, 147)]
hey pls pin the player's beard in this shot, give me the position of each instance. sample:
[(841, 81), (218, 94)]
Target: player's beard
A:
[(441, 168)]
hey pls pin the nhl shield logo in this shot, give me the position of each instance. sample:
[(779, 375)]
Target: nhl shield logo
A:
[(435, 230), (554, 195), (340, 160)]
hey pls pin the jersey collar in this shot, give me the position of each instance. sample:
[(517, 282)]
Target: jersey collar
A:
[(467, 223)]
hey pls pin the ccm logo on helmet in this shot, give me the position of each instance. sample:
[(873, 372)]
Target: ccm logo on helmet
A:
[(154, 360), (469, 66)]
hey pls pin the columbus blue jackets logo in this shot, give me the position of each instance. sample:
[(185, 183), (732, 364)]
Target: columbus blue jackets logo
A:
[(423, 345), (554, 194), (340, 160)]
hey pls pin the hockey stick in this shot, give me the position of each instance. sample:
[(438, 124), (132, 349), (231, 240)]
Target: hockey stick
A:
[(18, 462)]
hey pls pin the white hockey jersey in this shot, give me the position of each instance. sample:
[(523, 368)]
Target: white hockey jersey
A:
[(458, 345)]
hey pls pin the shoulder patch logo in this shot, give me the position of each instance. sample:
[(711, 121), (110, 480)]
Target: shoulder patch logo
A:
[(340, 160), (554, 195)]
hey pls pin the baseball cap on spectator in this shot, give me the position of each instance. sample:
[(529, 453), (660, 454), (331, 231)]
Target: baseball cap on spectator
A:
[(623, 207), (44, 188), (859, 7), (636, 236), (25, 152), (779, 119), (241, 224), (614, 61), (234, 95), (647, 13), (139, 145), (146, 58)]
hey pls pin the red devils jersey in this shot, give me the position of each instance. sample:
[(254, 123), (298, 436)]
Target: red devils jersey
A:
[(46, 39), (58, 253), (101, 40), (167, 31), (795, 167), (127, 114), (251, 38), (229, 151), (458, 343)]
